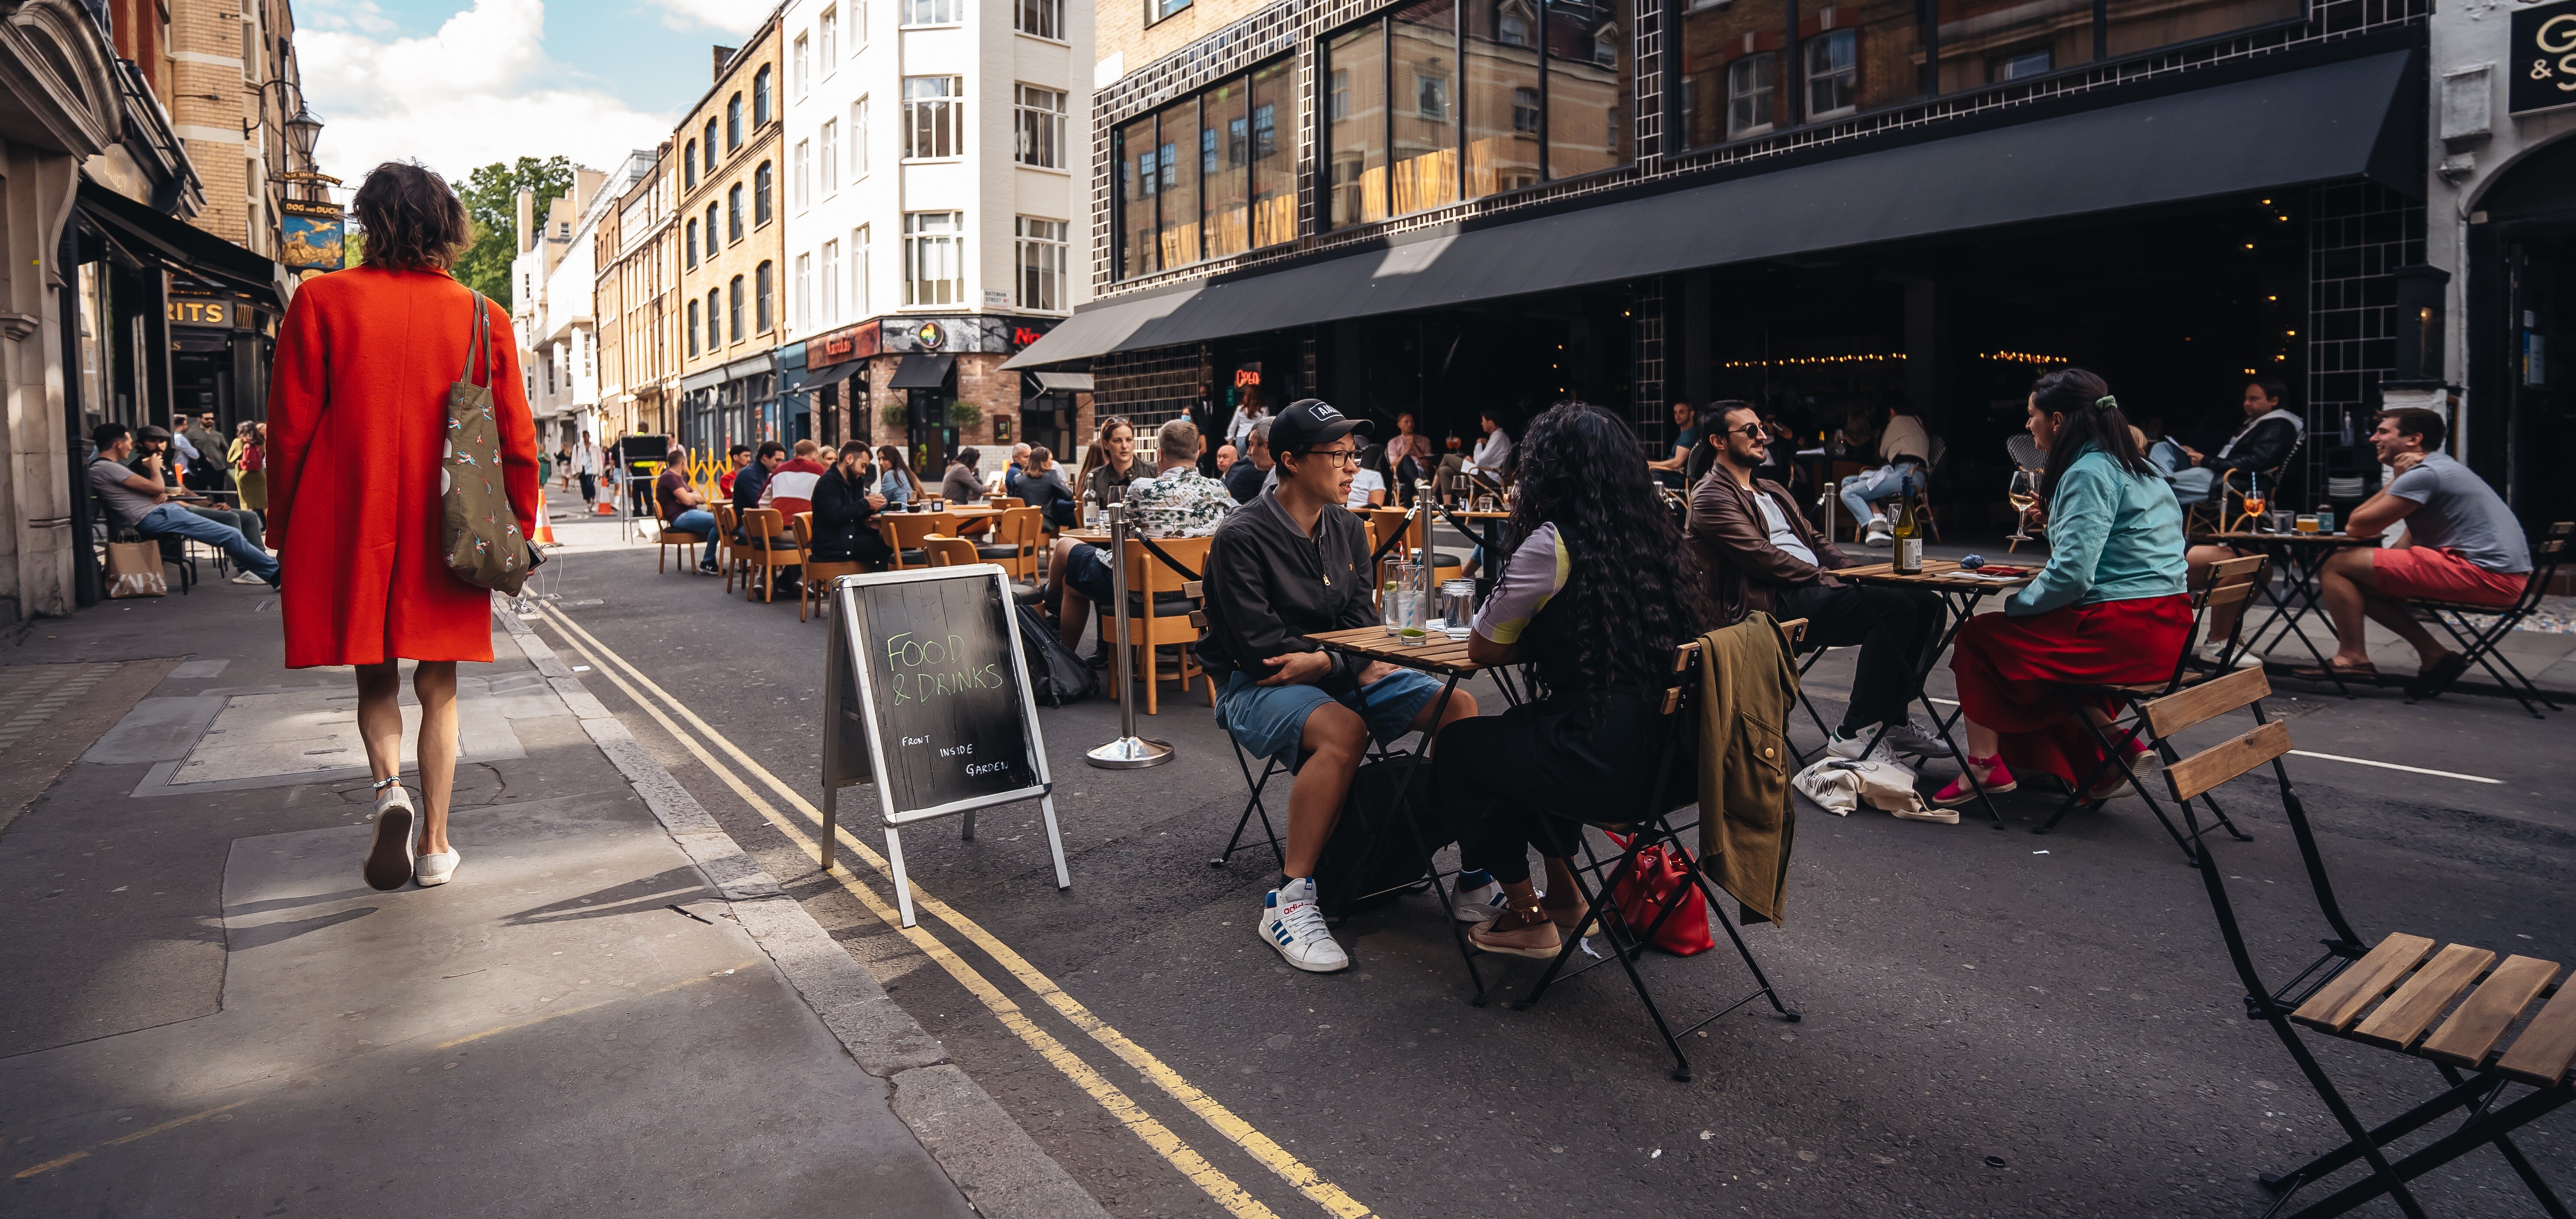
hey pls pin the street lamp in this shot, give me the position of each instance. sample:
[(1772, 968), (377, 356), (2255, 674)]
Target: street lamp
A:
[(301, 133)]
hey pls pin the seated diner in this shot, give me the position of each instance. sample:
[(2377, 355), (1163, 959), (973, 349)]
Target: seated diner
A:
[(1176, 502)]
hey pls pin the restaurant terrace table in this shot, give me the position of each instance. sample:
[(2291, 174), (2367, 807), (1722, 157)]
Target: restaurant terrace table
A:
[(1961, 590), (1447, 660), (2300, 556)]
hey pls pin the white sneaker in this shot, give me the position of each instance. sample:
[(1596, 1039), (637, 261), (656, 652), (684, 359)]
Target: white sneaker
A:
[(1480, 904), (437, 869), (1915, 738), (246, 577), (389, 860), (1293, 924), (1851, 747), (1879, 533)]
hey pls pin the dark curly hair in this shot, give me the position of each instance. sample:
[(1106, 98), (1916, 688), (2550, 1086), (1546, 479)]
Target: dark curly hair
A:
[(1634, 593), (412, 221)]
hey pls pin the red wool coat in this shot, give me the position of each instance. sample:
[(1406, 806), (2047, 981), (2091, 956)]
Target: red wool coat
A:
[(357, 433)]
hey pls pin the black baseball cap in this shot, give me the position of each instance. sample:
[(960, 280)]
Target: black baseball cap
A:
[(1309, 422)]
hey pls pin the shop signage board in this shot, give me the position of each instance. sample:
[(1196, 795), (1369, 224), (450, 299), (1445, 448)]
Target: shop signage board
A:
[(313, 233), (984, 332), (211, 313), (927, 697), (2543, 59)]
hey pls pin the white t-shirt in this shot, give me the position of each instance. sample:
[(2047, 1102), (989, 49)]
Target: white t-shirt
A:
[(1781, 535), (1361, 484), (1492, 452)]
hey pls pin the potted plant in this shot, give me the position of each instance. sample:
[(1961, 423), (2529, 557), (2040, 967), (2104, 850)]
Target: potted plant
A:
[(895, 415), (964, 414)]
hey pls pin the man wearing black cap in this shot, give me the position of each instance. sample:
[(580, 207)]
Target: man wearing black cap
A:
[(1289, 564)]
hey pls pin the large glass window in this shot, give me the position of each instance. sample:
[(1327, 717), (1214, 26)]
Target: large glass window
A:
[(733, 214), (858, 139), (1224, 149), (693, 327), (764, 193), (689, 165), (933, 116), (800, 70), (828, 31), (1041, 127), (933, 12), (1425, 118), (1044, 18), (760, 103), (1989, 42), (1591, 77), (764, 296), (693, 241), (934, 265), (2131, 26), (1502, 98), (1041, 264), (831, 284), (711, 146), (733, 122), (831, 159), (715, 319), (1273, 108), (733, 309), (1165, 8), (1176, 159), (1355, 125), (1730, 69), (1133, 146)]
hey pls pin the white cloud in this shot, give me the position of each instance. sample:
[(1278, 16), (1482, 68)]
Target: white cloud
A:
[(729, 16), (479, 90)]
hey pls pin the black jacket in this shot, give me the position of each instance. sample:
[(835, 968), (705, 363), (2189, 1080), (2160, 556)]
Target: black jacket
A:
[(1270, 584), (1244, 481), (845, 527), (2262, 450)]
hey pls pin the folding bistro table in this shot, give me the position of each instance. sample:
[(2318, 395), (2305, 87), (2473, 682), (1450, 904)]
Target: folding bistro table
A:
[(2300, 556), (1960, 589)]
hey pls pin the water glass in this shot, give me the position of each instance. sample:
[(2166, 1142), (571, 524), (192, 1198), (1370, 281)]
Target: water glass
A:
[(1457, 608), (2283, 520), (1399, 604)]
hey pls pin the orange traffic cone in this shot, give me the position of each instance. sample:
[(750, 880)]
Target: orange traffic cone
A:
[(545, 535)]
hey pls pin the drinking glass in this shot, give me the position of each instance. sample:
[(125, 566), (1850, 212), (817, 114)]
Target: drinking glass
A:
[(1390, 579), (2024, 494), (1400, 609), (1484, 503), (2307, 522), (1457, 608)]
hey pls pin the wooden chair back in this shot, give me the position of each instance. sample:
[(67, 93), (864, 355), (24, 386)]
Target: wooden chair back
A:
[(947, 552), (2245, 569), (2216, 765), (727, 554), (904, 530), (1150, 582), (761, 529), (1385, 522), (816, 584), (1022, 527), (1004, 501)]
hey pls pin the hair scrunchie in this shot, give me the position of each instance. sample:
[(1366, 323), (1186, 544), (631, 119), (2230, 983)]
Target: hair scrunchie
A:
[(2106, 403)]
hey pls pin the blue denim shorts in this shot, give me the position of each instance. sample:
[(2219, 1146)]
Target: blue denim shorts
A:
[(1087, 571), (1269, 721)]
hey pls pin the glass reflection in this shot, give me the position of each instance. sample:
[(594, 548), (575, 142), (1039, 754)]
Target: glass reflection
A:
[(1133, 146), (1732, 83), (2141, 25), (1502, 97), (1225, 140), (1991, 42), (1426, 113), (1591, 72), (1273, 124), (1178, 164), (1355, 125)]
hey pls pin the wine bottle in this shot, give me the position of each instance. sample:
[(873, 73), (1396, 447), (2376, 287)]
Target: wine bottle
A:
[(1909, 533)]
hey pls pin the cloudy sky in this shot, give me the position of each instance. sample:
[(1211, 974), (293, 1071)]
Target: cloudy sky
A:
[(457, 84)]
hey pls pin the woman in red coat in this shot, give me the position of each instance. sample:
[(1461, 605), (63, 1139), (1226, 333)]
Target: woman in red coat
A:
[(357, 425)]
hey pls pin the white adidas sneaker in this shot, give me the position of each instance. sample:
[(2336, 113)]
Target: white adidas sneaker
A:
[(1294, 925)]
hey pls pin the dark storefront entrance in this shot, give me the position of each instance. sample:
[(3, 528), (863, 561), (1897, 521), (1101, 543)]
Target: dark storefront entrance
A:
[(2522, 301)]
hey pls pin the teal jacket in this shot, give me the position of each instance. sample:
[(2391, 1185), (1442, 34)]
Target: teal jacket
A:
[(2112, 536)]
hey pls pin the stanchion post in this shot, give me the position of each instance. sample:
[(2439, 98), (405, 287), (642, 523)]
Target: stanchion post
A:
[(1129, 751)]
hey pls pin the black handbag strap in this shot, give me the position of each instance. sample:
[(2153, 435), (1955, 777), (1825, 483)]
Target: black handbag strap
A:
[(1166, 559)]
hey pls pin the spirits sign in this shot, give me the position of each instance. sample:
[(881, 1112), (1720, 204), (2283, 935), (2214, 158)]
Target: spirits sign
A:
[(2542, 66)]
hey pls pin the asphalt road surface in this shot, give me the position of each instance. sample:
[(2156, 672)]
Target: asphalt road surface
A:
[(1994, 1023)]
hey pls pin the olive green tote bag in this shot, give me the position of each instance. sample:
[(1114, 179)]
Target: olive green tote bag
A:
[(484, 546)]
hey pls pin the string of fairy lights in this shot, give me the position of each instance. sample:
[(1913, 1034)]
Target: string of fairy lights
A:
[(2006, 357)]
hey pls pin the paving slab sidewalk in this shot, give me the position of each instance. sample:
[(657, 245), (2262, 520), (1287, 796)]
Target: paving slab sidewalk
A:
[(611, 1011)]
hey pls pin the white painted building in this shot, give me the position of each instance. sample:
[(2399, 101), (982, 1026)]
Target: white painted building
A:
[(935, 174)]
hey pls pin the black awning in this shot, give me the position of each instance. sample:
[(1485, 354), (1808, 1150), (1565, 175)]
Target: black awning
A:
[(922, 372), (833, 375), (184, 246), (2336, 121)]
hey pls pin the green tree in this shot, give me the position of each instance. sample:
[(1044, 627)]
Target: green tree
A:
[(491, 198)]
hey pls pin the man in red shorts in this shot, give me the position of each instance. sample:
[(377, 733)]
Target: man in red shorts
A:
[(2461, 544)]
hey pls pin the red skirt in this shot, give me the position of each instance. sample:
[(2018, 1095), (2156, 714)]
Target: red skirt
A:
[(2012, 673)]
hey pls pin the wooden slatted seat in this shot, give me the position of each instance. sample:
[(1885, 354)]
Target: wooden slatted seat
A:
[(2453, 1006)]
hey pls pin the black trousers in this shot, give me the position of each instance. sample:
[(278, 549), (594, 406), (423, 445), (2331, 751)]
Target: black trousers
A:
[(1506, 783), (1894, 627)]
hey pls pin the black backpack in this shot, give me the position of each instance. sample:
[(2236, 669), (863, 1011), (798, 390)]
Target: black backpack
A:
[(1370, 857), (1056, 675)]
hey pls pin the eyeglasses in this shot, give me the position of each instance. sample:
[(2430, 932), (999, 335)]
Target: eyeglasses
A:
[(1751, 431), (1341, 457)]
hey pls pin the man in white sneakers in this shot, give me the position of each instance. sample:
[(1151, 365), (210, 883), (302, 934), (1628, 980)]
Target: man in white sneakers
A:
[(1290, 564)]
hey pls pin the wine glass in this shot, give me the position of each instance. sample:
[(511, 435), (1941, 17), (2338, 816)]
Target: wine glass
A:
[(2024, 495), (2254, 502)]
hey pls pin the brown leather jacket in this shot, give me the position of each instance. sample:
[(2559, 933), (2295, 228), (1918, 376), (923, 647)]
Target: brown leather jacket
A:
[(1745, 571)]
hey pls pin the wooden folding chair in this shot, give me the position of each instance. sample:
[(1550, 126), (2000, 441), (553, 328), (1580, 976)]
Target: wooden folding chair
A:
[(1163, 601), (903, 532), (728, 552), (2479, 644), (1004, 502), (666, 537), (2391, 998), (814, 580), (761, 530), (947, 552), (1600, 881), (1015, 542)]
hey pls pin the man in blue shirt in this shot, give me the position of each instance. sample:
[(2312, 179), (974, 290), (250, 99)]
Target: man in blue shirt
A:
[(1685, 437)]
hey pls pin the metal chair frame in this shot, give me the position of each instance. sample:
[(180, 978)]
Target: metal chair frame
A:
[(2480, 644)]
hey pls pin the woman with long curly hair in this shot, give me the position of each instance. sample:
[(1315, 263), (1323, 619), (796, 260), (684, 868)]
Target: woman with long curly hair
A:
[(1596, 595), (2109, 608)]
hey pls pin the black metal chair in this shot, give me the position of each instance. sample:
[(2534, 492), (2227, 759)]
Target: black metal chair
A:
[(2478, 644), (2389, 998), (1600, 879)]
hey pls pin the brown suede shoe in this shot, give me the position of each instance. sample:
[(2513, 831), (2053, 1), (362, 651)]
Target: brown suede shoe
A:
[(1537, 941)]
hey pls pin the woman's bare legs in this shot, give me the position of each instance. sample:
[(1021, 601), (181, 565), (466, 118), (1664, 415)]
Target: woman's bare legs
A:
[(434, 684), (380, 726)]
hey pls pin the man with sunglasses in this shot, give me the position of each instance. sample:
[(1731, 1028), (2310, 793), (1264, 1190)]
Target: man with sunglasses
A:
[(1760, 553), (1290, 564)]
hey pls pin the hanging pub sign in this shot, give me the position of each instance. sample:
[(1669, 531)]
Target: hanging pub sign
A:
[(313, 235), (926, 697), (2543, 59)]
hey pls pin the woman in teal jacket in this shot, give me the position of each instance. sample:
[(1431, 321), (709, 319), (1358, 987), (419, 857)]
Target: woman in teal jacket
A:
[(2109, 608)]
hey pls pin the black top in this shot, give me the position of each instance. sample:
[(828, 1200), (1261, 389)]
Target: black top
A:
[(1043, 490), (1108, 486), (2262, 450), (845, 529), (1270, 583), (1243, 481), (747, 483)]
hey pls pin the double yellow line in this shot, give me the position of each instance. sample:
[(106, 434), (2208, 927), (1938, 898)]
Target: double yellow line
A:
[(703, 742)]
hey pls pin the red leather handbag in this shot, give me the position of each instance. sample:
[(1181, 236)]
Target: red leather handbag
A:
[(1641, 895)]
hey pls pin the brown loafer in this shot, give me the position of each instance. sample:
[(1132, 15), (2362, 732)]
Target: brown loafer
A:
[(1537, 941)]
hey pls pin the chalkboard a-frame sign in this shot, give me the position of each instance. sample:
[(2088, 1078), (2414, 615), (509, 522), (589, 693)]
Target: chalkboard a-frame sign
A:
[(928, 697)]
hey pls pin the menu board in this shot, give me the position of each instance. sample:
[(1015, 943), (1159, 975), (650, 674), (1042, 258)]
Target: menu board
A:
[(931, 697)]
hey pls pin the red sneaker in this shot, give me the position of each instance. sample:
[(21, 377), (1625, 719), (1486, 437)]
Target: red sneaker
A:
[(1991, 772)]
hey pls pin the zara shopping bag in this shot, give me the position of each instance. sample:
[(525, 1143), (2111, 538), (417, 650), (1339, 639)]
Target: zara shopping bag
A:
[(134, 570)]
